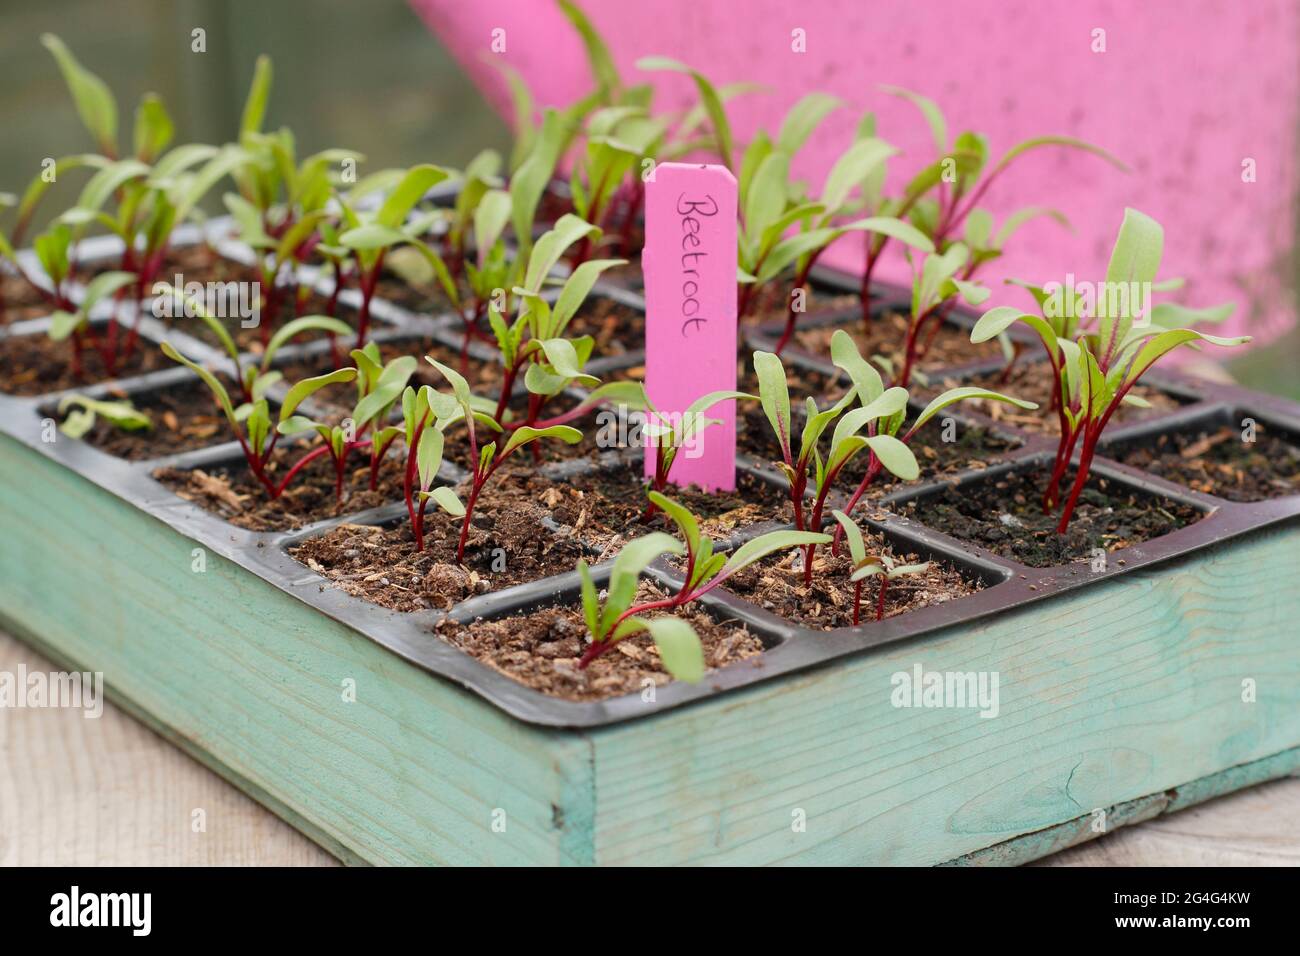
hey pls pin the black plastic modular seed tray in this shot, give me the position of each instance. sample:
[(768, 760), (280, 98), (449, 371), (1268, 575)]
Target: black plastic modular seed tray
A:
[(1007, 584)]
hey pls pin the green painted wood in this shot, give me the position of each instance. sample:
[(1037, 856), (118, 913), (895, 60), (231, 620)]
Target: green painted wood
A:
[(1108, 694), (411, 772), (1110, 697), (1033, 846)]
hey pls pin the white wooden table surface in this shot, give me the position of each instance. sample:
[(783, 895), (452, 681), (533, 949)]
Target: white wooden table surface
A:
[(79, 792)]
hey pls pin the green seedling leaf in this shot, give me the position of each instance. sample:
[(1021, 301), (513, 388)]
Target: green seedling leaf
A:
[(91, 95), (760, 547), (417, 181), (803, 118), (895, 456), (625, 575), (153, 128), (575, 291), (562, 357), (308, 323), (854, 166), (1165, 342), (590, 601), (552, 245), (961, 394), (930, 110), (869, 570), (679, 645), (889, 402), (774, 395), (428, 456), (709, 96), (526, 433), (121, 414), (309, 386), (259, 92), (1069, 141), (603, 69), (1169, 315), (211, 381), (104, 285), (446, 499), (682, 517), (385, 390), (866, 380)]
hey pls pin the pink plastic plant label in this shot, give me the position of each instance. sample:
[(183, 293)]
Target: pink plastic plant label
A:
[(690, 289)]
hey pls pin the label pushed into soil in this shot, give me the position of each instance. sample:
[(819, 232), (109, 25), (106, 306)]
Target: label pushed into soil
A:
[(690, 289)]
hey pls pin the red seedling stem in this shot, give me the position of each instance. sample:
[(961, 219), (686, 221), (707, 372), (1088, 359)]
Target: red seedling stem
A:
[(910, 356), (408, 485), (658, 483), (368, 283), (1091, 435), (792, 316), (629, 220), (880, 598)]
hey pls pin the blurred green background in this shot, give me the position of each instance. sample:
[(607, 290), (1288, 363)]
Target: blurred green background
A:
[(361, 74)]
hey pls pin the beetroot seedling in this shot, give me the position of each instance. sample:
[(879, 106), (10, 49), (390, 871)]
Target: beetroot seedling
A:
[(1094, 373), (847, 441), (771, 205), (668, 437), (484, 462), (883, 567), (616, 618), (378, 389), (869, 387), (705, 570), (943, 195), (369, 235), (251, 421)]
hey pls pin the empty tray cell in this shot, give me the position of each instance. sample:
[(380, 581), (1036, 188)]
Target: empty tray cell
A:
[(1001, 511), (1234, 455), (35, 364)]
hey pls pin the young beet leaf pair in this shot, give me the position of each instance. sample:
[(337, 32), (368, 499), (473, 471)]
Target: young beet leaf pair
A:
[(139, 199), (378, 388), (534, 343), (668, 437), (619, 616), (942, 198), (251, 421), (1093, 370), (82, 412), (881, 566), (872, 426), (428, 413), (771, 205)]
